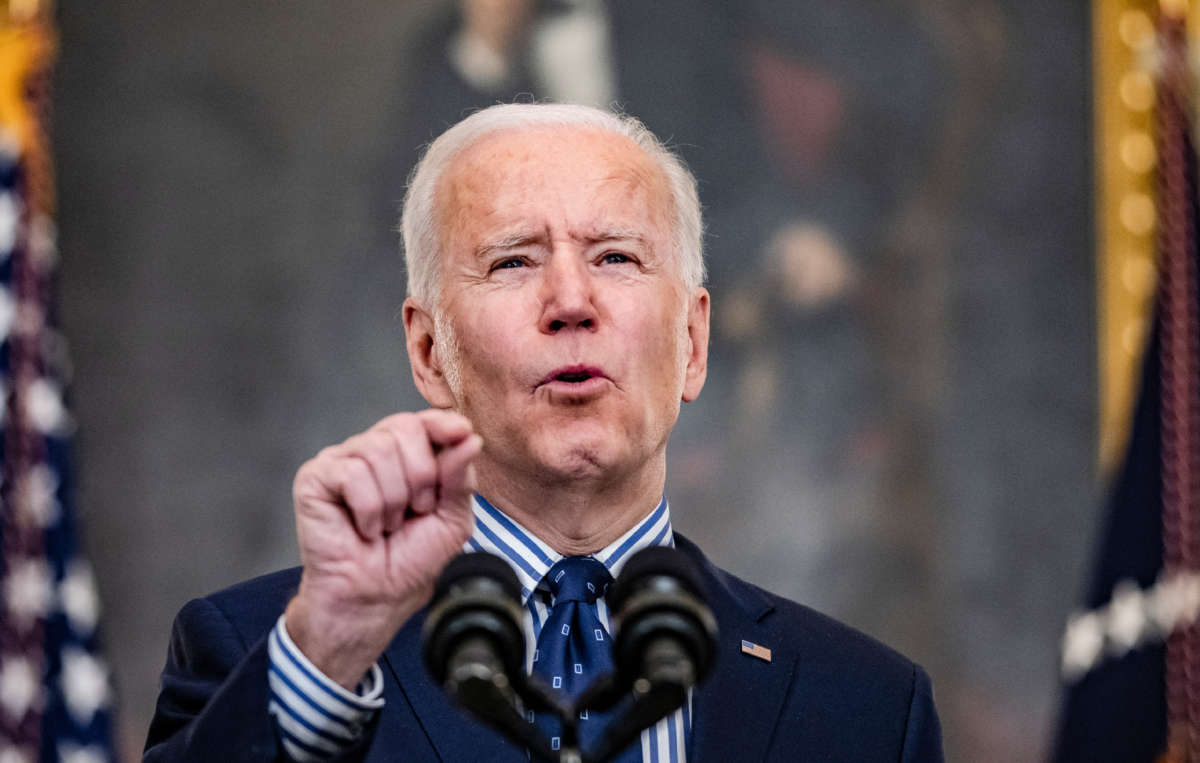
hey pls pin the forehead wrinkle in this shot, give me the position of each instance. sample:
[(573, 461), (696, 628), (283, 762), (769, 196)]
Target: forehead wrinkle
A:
[(635, 170), (640, 176), (633, 179)]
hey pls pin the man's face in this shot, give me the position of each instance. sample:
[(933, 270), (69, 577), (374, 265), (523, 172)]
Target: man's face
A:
[(564, 330)]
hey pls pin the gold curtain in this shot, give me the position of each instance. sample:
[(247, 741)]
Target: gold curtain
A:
[(1125, 59)]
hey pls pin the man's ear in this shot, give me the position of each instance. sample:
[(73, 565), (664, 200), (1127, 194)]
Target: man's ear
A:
[(697, 361), (427, 369)]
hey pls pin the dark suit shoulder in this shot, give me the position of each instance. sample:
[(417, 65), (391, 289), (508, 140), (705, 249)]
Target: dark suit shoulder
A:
[(818, 634), (856, 674), (213, 702), (252, 606), (814, 633), (844, 696)]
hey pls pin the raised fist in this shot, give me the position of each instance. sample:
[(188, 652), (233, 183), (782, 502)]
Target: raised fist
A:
[(377, 518)]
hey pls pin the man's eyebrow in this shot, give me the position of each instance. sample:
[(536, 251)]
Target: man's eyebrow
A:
[(525, 238), (510, 241), (613, 234)]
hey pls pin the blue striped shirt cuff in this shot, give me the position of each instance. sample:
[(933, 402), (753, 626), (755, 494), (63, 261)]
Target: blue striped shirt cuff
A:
[(317, 718)]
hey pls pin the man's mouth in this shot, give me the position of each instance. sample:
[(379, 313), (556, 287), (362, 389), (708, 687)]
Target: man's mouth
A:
[(574, 375)]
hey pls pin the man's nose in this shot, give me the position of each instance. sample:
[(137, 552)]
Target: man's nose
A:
[(567, 294)]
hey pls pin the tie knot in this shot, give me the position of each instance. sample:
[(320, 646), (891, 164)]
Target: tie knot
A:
[(578, 578)]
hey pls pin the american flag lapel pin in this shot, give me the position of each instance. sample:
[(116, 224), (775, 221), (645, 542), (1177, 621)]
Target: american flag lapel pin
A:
[(756, 650)]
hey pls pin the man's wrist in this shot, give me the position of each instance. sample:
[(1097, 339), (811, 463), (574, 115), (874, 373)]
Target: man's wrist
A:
[(342, 656), (316, 716), (367, 690)]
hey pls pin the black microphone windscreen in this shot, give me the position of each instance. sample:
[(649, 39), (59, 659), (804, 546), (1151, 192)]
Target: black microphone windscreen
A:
[(476, 565), (652, 561)]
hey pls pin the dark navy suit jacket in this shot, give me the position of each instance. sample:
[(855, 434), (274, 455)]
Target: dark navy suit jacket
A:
[(829, 693)]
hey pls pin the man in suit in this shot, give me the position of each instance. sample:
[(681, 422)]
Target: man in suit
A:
[(555, 322)]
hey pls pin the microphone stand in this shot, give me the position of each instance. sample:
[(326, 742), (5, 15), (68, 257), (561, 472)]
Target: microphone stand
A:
[(654, 696), (477, 680), (661, 690)]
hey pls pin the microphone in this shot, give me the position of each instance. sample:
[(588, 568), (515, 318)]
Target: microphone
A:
[(664, 643), (474, 645), (664, 630)]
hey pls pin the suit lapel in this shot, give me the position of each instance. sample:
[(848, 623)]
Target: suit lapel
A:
[(737, 708), (452, 732)]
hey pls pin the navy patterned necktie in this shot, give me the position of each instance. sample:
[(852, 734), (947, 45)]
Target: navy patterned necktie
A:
[(573, 647)]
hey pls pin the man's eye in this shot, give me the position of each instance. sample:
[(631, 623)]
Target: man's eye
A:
[(508, 264), (615, 258)]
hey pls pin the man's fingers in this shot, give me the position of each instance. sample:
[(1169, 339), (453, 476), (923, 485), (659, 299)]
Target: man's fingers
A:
[(420, 466), (454, 469), (361, 495), (426, 452), (441, 427), (405, 461), (445, 428), (378, 450)]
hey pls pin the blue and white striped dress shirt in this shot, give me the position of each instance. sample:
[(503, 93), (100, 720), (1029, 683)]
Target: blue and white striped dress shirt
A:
[(318, 718)]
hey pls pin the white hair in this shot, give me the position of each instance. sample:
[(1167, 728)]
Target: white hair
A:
[(419, 224)]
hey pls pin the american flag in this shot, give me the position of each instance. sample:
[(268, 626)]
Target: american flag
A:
[(756, 650), (55, 694)]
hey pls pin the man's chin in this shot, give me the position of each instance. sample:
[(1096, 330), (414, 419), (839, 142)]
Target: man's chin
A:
[(576, 458)]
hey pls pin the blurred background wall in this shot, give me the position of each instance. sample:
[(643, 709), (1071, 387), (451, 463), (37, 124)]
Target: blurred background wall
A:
[(899, 426)]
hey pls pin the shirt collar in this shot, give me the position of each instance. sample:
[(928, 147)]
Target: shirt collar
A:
[(531, 558)]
